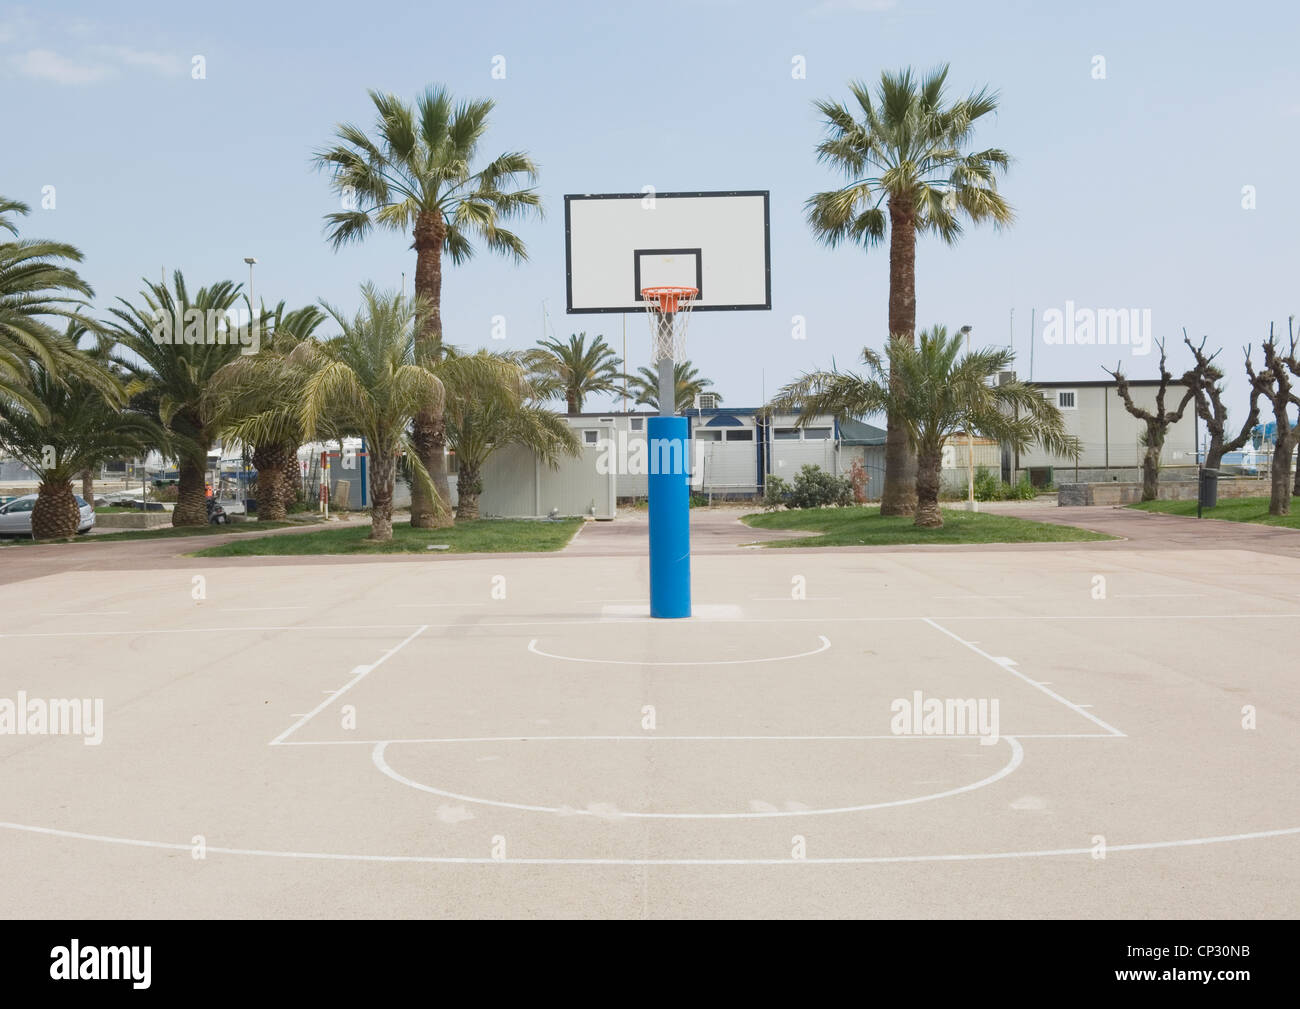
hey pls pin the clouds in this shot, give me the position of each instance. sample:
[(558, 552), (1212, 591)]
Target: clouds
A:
[(75, 64), (852, 6), (47, 65)]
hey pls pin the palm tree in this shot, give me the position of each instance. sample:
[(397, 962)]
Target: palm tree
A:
[(933, 394), (417, 177), (35, 282), (509, 414), (909, 150), (251, 399), (174, 374), (644, 385), (580, 371), (371, 381), (80, 425)]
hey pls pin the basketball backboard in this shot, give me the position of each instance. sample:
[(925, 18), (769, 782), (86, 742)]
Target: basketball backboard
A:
[(618, 243)]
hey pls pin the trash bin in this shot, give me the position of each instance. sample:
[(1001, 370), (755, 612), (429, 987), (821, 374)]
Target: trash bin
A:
[(1208, 491)]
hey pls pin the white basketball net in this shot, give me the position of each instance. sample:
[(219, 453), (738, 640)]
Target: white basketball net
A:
[(669, 310)]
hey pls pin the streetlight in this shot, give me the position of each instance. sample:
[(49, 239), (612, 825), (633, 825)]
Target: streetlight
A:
[(970, 446)]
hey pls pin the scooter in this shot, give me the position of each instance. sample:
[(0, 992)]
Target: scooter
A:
[(216, 514)]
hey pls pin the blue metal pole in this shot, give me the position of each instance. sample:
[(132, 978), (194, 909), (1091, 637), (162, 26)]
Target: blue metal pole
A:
[(670, 517)]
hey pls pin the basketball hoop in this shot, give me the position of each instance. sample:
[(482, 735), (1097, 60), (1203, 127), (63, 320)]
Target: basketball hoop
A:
[(669, 310)]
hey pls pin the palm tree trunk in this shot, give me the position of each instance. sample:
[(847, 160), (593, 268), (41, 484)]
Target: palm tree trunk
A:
[(55, 515), (291, 477), (469, 485), (429, 432), (88, 487), (191, 497), (381, 473), (571, 402), (898, 497), (928, 515), (268, 460)]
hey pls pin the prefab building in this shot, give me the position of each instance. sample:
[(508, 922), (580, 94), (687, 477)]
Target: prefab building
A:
[(1110, 438)]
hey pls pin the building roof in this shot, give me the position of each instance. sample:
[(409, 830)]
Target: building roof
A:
[(855, 432)]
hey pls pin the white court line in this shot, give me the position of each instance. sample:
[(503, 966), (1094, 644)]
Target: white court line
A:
[(259, 609), (103, 613), (652, 737), (541, 622), (1157, 595), (1017, 755), (791, 599), (825, 644), (418, 606), (361, 673), (453, 860), (1004, 664), (978, 596)]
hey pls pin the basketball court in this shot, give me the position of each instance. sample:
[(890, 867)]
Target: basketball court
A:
[(514, 736)]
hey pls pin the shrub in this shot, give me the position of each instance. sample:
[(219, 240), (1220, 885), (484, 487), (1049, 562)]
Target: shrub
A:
[(987, 486), (776, 493), (815, 488), (990, 488)]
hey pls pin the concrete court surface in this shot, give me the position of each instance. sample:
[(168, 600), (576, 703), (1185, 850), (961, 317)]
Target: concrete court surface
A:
[(391, 737)]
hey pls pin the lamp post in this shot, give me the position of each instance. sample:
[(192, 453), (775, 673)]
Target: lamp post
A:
[(970, 446)]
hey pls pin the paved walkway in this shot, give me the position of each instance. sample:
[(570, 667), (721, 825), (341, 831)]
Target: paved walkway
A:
[(713, 531)]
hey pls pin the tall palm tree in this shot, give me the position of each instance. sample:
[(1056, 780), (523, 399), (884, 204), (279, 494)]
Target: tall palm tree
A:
[(580, 371), (644, 385), (36, 282), (508, 414), (174, 375), (933, 392), (417, 177), (81, 424), (371, 381), (908, 148), (251, 399)]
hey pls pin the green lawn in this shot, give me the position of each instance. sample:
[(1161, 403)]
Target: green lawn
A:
[(477, 536), (841, 527), (1242, 509)]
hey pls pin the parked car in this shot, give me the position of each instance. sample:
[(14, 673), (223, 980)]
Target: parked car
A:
[(16, 516)]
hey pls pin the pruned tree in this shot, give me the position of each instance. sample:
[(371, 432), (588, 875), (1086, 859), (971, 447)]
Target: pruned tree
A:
[(1157, 421), (1205, 381), (1274, 383)]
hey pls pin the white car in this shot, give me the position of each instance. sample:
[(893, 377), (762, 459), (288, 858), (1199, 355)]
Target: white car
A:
[(16, 516)]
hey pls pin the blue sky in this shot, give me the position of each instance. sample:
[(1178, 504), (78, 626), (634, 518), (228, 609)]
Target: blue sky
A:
[(1128, 190)]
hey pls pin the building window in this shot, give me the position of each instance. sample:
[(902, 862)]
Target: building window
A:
[(590, 437), (817, 434), (745, 435), (708, 435), (1065, 399), (786, 434), (638, 423)]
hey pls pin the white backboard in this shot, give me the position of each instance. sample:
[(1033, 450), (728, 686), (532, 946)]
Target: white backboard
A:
[(618, 243)]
